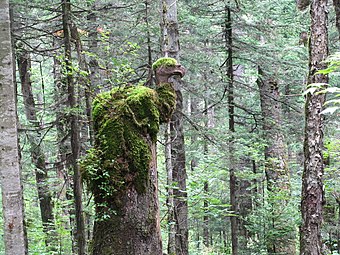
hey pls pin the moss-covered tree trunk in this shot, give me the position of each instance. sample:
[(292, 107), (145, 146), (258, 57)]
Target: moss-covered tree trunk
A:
[(121, 168), (133, 226)]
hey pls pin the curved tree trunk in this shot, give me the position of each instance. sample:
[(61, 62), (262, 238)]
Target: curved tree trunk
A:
[(312, 182)]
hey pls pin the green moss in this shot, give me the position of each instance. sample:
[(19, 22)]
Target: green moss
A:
[(167, 99), (164, 62), (126, 122)]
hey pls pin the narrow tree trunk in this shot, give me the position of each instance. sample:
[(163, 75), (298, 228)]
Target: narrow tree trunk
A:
[(148, 40), (75, 146), (206, 232), (95, 79), (12, 197), (170, 198), (338, 224), (170, 47), (209, 123), (231, 109), (312, 197), (276, 165), (38, 156)]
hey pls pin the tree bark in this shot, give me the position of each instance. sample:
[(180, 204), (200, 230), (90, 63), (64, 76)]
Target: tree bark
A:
[(170, 47), (134, 227), (276, 165), (38, 156), (208, 124), (12, 197), (231, 109), (303, 4), (75, 146), (336, 4), (121, 171), (312, 197)]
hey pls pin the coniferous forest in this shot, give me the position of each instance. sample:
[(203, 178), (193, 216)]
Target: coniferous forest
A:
[(170, 127)]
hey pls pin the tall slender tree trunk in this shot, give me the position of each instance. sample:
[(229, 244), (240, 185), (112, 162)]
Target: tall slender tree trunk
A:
[(276, 166), (37, 153), (93, 65), (206, 232), (12, 197), (231, 109), (84, 91), (63, 143), (75, 146), (148, 41), (312, 197), (170, 47)]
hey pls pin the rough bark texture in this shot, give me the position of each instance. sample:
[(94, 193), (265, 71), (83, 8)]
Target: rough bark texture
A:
[(275, 152), (12, 200), (75, 146), (302, 4), (37, 153), (134, 227), (121, 168), (276, 166), (170, 47), (121, 171), (336, 4), (179, 177), (312, 179)]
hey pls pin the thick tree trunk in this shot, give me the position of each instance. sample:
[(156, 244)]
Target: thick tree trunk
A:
[(12, 197), (134, 227), (121, 168), (75, 146), (170, 47), (38, 156), (276, 165), (312, 197)]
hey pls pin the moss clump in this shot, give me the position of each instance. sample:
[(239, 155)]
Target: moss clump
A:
[(167, 62), (126, 123)]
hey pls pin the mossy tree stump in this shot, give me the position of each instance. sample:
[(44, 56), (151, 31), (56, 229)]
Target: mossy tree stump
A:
[(121, 169)]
